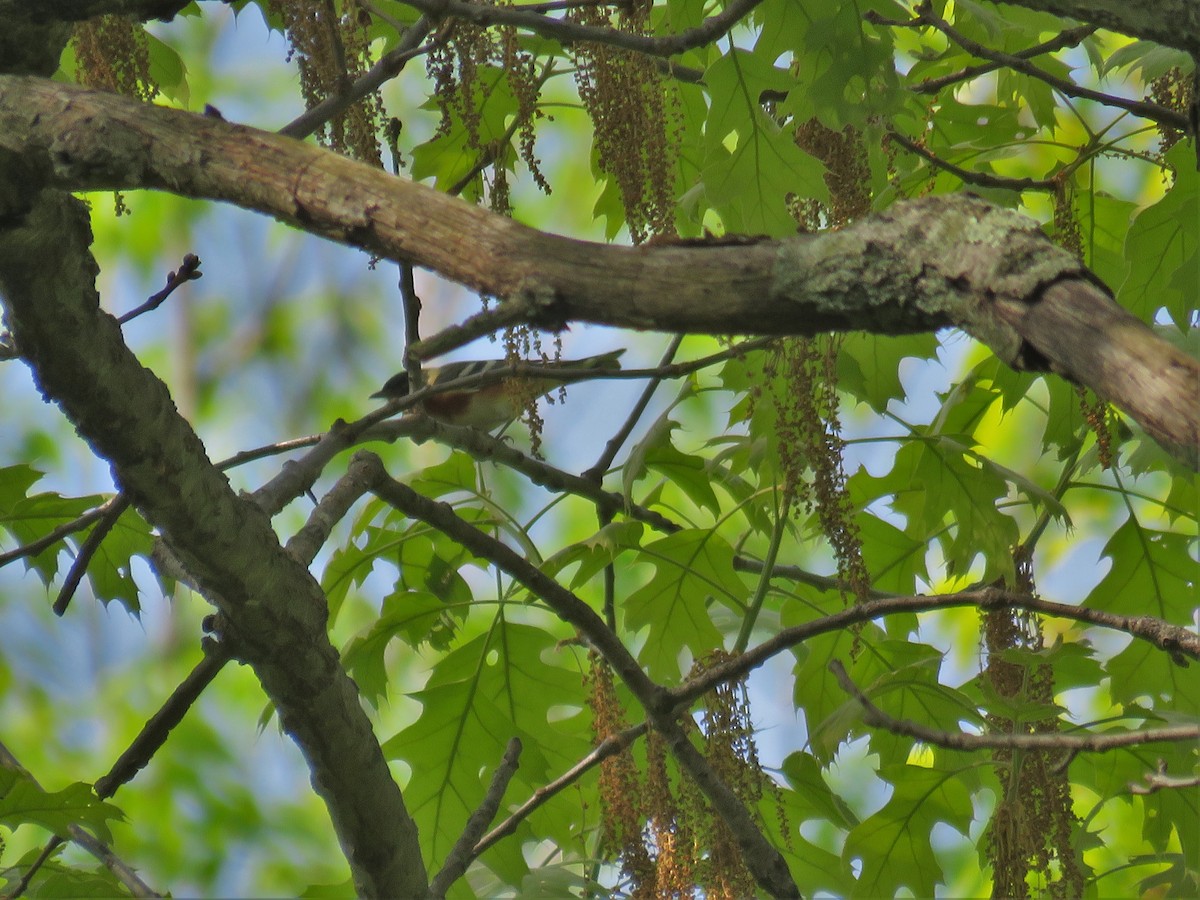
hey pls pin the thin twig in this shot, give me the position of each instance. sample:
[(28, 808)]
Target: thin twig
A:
[(93, 845), (492, 152), (981, 179), (483, 446), (1159, 780), (610, 746), (412, 324), (754, 608), (389, 66), (33, 548), (88, 550), (159, 726), (463, 851), (188, 271), (331, 509), (597, 472), (559, 5), (508, 312), (1175, 640), (1069, 38), (614, 444), (1068, 743)]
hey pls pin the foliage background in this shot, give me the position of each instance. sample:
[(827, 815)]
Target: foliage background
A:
[(284, 334)]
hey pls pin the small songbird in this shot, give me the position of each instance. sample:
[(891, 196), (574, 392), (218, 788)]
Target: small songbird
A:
[(491, 403)]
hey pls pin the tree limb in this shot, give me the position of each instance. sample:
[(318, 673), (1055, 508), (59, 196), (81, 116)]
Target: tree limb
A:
[(1179, 642), (1069, 38), (274, 612), (919, 266), (610, 746)]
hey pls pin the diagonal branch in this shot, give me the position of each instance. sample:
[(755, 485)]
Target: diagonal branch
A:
[(968, 176), (463, 851), (610, 746), (388, 67), (764, 861), (1069, 38), (1153, 111)]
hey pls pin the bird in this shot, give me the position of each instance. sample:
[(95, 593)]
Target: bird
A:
[(488, 404)]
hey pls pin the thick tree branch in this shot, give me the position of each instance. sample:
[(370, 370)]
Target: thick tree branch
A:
[(273, 610), (918, 266)]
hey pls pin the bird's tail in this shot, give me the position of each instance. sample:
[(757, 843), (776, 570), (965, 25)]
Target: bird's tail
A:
[(601, 362)]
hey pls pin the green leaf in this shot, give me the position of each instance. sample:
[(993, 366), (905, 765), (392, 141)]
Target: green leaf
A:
[(692, 569), (496, 686), (894, 560), (826, 706), (168, 71), (1162, 249), (868, 365), (901, 678), (29, 518), (455, 473), (751, 164), (1152, 59), (894, 844), (814, 798), (449, 157), (596, 552), (55, 879), (22, 801), (688, 472), (938, 485), (1104, 227), (110, 572), (413, 616), (1152, 574)]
